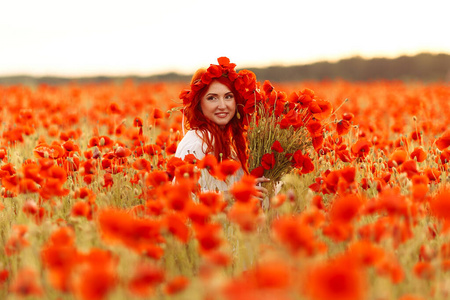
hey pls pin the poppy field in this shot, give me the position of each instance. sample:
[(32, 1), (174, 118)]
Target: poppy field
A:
[(89, 208)]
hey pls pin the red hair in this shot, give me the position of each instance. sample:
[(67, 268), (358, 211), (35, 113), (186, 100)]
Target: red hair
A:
[(221, 142)]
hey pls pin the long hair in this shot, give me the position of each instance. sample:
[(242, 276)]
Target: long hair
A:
[(221, 142)]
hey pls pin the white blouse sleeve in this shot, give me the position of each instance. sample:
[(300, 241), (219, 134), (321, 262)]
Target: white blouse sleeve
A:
[(191, 144)]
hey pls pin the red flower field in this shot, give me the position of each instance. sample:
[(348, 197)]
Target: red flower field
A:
[(89, 208)]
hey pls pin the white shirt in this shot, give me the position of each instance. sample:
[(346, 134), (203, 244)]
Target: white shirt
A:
[(192, 143)]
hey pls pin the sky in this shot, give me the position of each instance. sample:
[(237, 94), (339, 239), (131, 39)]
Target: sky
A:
[(147, 37)]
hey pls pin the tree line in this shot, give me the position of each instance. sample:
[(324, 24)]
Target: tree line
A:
[(421, 67)]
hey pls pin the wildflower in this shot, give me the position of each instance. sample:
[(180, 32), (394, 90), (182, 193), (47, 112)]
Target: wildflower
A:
[(17, 240), (26, 284), (272, 279), (361, 148), (296, 235), (176, 225), (244, 189), (60, 257), (97, 277), (208, 237), (268, 161), (246, 215), (145, 279), (424, 270), (276, 146), (338, 278), (226, 168), (176, 285), (443, 141), (366, 253), (440, 205), (212, 200), (343, 127), (418, 154)]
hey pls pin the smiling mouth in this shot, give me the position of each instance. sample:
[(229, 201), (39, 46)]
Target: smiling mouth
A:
[(222, 115)]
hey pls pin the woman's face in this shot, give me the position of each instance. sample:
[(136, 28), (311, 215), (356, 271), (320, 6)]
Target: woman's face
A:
[(218, 104)]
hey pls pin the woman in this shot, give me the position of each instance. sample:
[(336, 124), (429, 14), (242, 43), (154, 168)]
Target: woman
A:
[(214, 123)]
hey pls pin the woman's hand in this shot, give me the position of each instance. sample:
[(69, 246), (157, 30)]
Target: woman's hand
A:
[(262, 191)]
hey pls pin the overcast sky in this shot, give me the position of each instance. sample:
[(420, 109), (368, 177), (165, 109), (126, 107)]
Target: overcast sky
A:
[(95, 37)]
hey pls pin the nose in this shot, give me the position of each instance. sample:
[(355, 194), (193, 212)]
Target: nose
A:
[(222, 104)]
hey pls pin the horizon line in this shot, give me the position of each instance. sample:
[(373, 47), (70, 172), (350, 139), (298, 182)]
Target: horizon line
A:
[(179, 73)]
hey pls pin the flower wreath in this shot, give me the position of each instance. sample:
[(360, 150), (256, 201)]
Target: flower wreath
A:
[(244, 82)]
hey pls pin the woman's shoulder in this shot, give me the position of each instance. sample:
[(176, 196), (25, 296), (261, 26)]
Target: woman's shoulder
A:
[(191, 143)]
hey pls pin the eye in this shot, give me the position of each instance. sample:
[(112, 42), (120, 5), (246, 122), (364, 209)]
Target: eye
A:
[(210, 98), (229, 96)]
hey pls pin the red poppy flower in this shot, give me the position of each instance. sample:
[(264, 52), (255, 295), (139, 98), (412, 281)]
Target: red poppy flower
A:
[(343, 127), (137, 122), (292, 118), (190, 159), (157, 178), (366, 253), (361, 148), (214, 201), (348, 174), (176, 285), (30, 207), (209, 162), (3, 153), (391, 267), (17, 240), (26, 284), (418, 154), (445, 156), (120, 226), (145, 278), (409, 167), (276, 146), (113, 108), (443, 141), (393, 202), (268, 161), (198, 213), (122, 152), (424, 270), (348, 116), (244, 189), (257, 172), (4, 274), (321, 109), (399, 156), (305, 97), (142, 164), (302, 162), (209, 237), (224, 62), (294, 233), (152, 149), (176, 225), (345, 209), (277, 200), (433, 174), (340, 278), (157, 113), (314, 127), (95, 281), (81, 209), (246, 215), (227, 168)]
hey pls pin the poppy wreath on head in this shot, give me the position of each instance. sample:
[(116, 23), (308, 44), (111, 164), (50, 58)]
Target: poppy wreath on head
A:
[(244, 82)]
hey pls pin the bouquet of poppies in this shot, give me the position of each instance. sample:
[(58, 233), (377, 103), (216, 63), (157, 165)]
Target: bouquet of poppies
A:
[(283, 130)]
